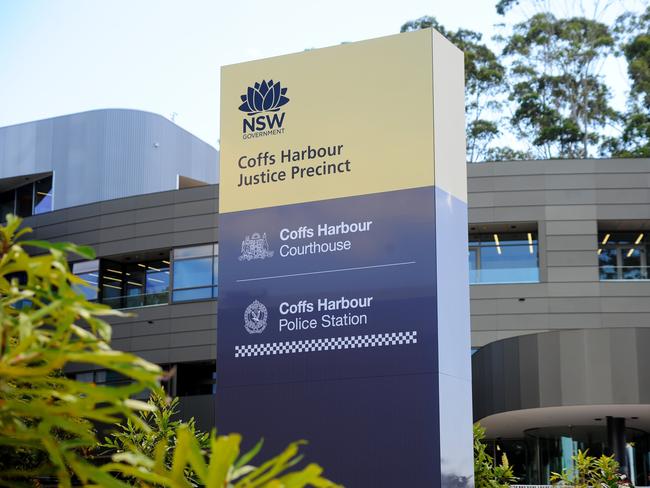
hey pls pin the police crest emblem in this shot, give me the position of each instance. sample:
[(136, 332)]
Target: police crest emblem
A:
[(255, 317), (255, 247)]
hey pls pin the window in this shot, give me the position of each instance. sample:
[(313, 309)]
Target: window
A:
[(195, 273), (30, 199), (623, 255), (102, 377), (140, 284), (88, 271), (500, 257), (43, 195)]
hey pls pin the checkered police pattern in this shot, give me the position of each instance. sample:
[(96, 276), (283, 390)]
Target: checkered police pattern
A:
[(328, 344)]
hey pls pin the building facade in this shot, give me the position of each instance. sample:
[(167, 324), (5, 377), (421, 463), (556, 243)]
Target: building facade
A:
[(560, 295)]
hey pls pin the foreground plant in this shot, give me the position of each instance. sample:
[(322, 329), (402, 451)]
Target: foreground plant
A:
[(488, 474), (47, 419), (588, 471)]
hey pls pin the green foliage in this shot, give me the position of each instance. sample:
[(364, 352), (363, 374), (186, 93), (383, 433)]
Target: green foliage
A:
[(634, 140), (47, 420), (487, 474), (130, 437), (484, 83), (45, 325), (561, 103), (589, 471)]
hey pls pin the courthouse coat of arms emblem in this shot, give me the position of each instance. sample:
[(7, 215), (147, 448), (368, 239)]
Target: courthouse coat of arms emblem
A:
[(255, 318), (255, 247)]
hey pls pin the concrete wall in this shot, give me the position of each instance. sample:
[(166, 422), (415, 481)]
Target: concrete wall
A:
[(105, 154), (567, 199)]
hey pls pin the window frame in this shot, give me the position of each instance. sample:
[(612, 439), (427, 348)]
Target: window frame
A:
[(213, 287)]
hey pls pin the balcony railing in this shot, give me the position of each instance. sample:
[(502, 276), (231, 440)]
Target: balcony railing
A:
[(133, 301), (624, 272)]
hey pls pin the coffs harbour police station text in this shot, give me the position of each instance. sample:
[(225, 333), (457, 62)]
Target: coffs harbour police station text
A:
[(266, 167)]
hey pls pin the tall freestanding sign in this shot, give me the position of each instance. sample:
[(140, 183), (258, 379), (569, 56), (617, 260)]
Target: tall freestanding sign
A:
[(343, 308)]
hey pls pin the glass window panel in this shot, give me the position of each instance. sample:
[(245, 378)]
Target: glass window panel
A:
[(24, 196), (85, 377), (193, 294), (192, 252), (508, 264), (632, 260), (473, 265), (215, 292), (100, 376), (7, 200), (43, 195), (607, 263), (193, 273), (90, 291), (85, 266), (157, 277), (216, 249), (215, 271)]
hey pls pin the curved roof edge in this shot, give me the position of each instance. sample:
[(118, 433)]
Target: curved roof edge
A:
[(115, 109)]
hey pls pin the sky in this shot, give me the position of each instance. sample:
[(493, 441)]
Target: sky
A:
[(66, 56)]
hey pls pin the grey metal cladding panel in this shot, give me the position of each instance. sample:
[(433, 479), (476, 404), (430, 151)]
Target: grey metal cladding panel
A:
[(195, 323), (194, 338), (598, 365), (572, 242), (189, 238), (574, 305), (576, 367), (570, 212), (198, 193), (571, 356), (150, 214), (624, 304), (520, 213), (572, 274), (511, 375), (623, 180), (623, 212), (199, 207), (550, 372), (114, 153), (120, 233), (621, 288), (192, 309), (207, 221), (624, 364), (529, 371), (157, 227), (147, 343), (561, 227), (572, 258), (640, 347), (192, 353)]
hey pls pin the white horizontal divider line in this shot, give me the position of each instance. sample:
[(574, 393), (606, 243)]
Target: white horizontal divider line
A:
[(405, 263)]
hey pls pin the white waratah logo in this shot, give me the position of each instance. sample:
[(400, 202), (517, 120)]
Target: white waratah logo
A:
[(255, 247), (255, 318)]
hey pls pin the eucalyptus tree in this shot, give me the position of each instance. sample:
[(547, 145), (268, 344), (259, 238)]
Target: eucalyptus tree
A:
[(561, 104), (634, 140)]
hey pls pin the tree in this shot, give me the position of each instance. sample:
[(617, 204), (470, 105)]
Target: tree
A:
[(634, 140), (48, 419), (484, 87), (561, 103)]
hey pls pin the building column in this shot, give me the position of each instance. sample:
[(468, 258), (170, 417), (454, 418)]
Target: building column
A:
[(616, 441)]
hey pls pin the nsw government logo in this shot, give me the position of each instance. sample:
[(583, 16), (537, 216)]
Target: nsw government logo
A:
[(262, 103), (255, 317)]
